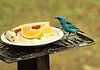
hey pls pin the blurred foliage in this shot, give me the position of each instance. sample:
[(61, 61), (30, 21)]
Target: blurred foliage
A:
[(84, 14)]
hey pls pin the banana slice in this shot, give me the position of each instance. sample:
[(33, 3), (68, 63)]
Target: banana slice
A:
[(11, 36)]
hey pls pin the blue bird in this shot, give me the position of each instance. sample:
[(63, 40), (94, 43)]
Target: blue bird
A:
[(67, 26)]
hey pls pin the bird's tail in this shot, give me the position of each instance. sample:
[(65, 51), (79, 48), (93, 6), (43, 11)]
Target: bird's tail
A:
[(82, 32)]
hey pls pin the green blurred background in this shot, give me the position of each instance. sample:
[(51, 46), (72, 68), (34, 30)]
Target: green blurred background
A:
[(85, 14)]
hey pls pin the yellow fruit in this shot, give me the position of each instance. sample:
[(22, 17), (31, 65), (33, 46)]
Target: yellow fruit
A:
[(29, 33), (47, 30)]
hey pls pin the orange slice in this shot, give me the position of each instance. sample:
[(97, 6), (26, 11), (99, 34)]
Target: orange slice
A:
[(47, 30), (29, 33), (44, 24)]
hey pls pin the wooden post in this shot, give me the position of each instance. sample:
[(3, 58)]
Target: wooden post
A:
[(27, 64), (39, 63), (43, 63)]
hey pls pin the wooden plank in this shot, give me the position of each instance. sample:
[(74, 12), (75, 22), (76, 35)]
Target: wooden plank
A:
[(11, 53)]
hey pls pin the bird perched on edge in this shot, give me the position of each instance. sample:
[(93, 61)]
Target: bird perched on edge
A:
[(67, 26)]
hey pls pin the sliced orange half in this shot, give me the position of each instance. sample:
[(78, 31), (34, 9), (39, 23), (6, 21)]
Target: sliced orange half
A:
[(47, 30), (29, 33)]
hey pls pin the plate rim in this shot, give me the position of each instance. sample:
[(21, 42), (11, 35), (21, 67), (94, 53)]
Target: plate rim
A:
[(37, 44)]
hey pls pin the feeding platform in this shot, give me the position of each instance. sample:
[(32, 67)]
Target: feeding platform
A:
[(38, 57)]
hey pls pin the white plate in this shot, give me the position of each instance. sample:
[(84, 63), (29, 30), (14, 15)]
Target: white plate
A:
[(56, 30)]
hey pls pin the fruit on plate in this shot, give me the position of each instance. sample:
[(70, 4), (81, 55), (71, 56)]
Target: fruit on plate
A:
[(30, 33), (47, 30), (17, 30), (44, 24), (11, 36), (38, 26)]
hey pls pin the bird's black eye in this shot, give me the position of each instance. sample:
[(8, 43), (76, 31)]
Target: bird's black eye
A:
[(58, 18)]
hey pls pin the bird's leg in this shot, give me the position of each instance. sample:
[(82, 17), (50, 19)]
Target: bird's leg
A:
[(76, 37), (68, 36)]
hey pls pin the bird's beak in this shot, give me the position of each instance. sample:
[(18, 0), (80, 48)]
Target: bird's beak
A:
[(55, 17)]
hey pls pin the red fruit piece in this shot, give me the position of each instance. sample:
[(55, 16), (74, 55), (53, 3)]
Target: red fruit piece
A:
[(17, 30), (36, 27)]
